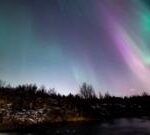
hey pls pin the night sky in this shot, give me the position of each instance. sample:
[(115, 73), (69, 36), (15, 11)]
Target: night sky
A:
[(63, 43)]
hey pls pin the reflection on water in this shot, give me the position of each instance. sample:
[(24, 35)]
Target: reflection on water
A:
[(115, 127)]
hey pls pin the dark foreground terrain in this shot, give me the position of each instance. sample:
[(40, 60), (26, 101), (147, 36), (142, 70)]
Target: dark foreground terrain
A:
[(27, 106)]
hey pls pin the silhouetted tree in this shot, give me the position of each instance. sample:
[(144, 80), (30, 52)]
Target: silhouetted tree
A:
[(51, 92), (107, 95), (145, 94), (100, 95), (87, 91)]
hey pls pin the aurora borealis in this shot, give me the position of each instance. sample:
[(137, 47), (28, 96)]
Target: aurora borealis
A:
[(62, 43)]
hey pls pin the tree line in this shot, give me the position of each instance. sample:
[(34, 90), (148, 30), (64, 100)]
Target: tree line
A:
[(86, 102)]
